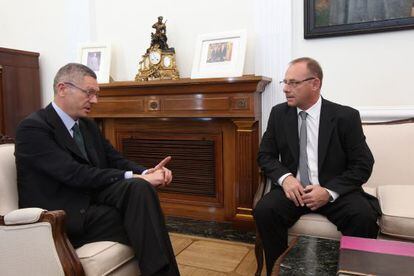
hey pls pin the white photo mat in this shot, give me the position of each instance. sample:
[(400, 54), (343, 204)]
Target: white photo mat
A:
[(97, 56), (219, 55)]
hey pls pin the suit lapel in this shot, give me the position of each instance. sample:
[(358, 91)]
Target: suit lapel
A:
[(90, 148), (326, 125), (291, 128), (62, 135)]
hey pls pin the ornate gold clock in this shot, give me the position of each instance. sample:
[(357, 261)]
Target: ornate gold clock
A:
[(158, 63)]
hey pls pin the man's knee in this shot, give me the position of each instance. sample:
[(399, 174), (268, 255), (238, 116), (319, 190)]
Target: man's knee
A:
[(274, 207), (366, 217), (263, 212), (142, 187), (363, 223)]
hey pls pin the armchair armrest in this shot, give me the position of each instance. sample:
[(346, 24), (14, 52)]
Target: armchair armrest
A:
[(23, 216), (264, 187), (28, 236)]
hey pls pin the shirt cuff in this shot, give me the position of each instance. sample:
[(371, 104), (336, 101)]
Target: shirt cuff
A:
[(280, 181), (144, 172), (128, 174), (333, 194)]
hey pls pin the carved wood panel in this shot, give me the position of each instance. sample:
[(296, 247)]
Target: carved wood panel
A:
[(20, 87)]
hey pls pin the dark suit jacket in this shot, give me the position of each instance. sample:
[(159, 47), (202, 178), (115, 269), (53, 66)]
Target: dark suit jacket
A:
[(344, 159), (52, 172)]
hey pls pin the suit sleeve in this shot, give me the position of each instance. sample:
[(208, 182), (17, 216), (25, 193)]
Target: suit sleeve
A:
[(359, 157), (268, 156), (38, 153)]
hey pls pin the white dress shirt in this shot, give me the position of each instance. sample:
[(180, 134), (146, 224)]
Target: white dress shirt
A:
[(312, 127)]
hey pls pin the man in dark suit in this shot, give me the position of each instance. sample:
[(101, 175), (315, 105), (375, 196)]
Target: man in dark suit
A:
[(64, 162), (314, 151)]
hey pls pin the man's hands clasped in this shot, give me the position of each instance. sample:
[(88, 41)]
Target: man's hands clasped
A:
[(159, 176), (312, 196)]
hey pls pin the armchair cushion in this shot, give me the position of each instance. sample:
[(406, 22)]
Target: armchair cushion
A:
[(315, 225), (398, 212), (102, 258)]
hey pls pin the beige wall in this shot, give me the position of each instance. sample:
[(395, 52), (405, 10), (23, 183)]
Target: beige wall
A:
[(50, 27), (368, 70), (56, 28), (362, 70), (128, 27)]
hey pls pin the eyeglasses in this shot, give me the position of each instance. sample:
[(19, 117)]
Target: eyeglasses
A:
[(90, 93), (295, 83)]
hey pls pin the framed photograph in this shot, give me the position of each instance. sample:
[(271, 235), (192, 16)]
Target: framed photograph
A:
[(325, 18), (98, 58), (219, 55)]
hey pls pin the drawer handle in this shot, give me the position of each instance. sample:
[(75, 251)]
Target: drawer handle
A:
[(241, 103), (153, 105)]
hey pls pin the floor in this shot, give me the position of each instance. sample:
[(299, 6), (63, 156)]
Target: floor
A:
[(212, 257), (209, 229), (211, 248)]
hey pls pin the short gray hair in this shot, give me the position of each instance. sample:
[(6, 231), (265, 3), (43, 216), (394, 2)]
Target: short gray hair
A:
[(72, 72), (313, 66)]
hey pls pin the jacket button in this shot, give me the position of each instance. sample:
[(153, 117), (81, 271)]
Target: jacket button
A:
[(82, 211)]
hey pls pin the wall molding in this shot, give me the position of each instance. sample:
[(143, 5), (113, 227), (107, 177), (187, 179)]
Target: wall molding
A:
[(273, 48), (385, 113)]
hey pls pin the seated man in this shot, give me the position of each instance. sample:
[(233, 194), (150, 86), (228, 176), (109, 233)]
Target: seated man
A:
[(64, 162), (315, 153)]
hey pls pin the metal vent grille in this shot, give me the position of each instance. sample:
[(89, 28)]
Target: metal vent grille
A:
[(192, 163)]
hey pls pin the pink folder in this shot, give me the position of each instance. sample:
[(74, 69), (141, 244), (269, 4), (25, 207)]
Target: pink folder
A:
[(378, 246)]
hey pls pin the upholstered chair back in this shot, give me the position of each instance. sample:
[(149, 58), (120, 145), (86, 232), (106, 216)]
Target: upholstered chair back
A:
[(8, 184), (393, 150)]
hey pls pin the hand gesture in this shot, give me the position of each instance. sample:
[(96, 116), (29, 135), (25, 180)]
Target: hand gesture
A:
[(166, 173), (156, 178), (315, 197), (293, 190)]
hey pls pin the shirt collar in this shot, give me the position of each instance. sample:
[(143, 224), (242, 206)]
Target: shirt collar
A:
[(315, 110), (67, 120)]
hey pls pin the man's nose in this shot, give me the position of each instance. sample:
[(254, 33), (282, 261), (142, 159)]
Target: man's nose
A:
[(93, 99)]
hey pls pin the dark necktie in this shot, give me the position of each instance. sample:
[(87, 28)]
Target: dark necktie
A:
[(303, 154), (77, 135)]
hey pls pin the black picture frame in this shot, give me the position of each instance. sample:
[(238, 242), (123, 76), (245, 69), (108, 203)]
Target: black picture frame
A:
[(312, 29)]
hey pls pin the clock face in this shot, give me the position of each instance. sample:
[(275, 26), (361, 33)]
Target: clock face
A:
[(155, 57), (167, 61)]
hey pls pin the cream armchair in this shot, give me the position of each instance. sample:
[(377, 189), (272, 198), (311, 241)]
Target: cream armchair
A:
[(391, 182), (33, 241)]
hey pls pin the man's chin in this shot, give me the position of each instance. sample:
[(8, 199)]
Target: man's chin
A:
[(291, 103), (84, 115), (86, 112)]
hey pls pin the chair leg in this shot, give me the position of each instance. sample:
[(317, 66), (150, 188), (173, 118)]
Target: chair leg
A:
[(258, 251)]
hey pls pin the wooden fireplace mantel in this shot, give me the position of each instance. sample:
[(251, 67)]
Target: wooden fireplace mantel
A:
[(211, 129)]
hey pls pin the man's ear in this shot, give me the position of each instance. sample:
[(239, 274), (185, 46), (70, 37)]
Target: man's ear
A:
[(61, 89), (316, 84)]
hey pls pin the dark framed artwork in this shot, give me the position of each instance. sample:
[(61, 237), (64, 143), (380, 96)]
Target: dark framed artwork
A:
[(325, 18)]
